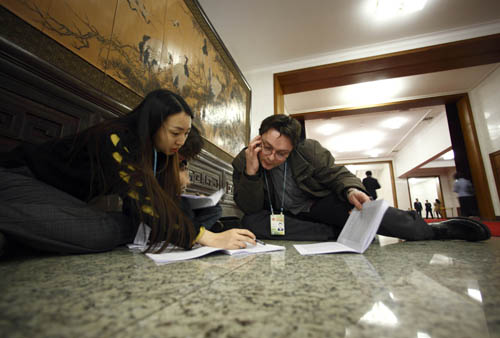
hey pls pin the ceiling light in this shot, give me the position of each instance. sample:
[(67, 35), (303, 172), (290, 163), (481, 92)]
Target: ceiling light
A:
[(374, 152), (449, 155), (373, 92), (391, 8), (328, 129), (394, 122), (356, 141)]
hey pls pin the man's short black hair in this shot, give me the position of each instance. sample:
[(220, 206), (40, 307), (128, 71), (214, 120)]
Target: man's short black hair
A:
[(285, 125), (368, 173)]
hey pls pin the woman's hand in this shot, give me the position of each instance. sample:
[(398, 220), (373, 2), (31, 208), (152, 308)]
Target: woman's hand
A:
[(229, 239), (252, 155)]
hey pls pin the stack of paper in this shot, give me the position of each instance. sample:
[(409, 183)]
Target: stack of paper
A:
[(357, 234), (199, 202), (178, 254)]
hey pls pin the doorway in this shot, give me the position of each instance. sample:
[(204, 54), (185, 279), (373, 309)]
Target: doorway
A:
[(428, 190), (383, 172)]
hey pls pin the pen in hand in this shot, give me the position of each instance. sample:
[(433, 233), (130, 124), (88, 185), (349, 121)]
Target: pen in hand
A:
[(259, 241)]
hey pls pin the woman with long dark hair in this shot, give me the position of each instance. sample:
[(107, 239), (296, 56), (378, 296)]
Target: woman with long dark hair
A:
[(45, 188)]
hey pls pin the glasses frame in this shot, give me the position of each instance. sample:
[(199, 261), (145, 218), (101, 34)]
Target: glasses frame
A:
[(268, 150)]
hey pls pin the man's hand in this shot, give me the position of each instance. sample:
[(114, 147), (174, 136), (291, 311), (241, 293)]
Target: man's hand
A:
[(252, 155), (357, 198), (184, 179), (229, 239)]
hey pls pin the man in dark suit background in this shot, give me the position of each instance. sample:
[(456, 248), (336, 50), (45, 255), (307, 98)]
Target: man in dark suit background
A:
[(371, 184), (418, 206)]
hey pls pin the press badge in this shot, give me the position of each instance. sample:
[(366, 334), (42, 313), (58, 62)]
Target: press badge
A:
[(278, 224)]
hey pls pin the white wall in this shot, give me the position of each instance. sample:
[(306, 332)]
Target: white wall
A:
[(485, 104), (262, 99), (385, 190), (431, 140), (403, 194)]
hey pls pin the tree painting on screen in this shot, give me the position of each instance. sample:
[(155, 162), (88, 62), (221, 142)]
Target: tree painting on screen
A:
[(148, 44)]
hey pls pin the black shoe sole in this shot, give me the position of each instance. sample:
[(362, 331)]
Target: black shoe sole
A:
[(483, 226)]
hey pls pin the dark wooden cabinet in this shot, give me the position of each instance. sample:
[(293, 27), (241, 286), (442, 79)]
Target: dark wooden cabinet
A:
[(40, 102)]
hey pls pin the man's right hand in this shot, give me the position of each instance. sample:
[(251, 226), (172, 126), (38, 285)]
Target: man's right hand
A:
[(252, 155)]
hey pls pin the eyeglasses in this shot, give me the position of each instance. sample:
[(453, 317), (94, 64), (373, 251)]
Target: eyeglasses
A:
[(267, 150)]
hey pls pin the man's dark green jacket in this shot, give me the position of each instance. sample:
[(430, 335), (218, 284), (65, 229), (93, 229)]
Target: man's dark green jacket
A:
[(313, 168)]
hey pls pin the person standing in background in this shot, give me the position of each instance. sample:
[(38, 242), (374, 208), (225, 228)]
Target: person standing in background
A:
[(428, 209), (417, 206), (465, 191), (371, 184), (437, 208)]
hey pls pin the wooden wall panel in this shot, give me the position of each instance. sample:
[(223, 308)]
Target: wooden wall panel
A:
[(40, 102), (475, 160)]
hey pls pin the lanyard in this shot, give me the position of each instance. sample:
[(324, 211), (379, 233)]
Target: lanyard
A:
[(156, 161), (269, 194)]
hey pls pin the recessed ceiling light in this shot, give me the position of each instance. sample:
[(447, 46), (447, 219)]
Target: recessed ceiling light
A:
[(449, 155), (374, 152), (328, 129), (372, 92), (356, 141), (391, 8), (394, 122)]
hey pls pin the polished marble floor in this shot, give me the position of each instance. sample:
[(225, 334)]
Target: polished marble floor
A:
[(403, 289)]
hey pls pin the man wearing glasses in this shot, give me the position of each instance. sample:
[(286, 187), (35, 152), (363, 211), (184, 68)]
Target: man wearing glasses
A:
[(291, 189)]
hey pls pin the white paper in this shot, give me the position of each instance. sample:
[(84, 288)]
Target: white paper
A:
[(322, 248), (142, 235), (199, 202), (357, 234), (178, 254)]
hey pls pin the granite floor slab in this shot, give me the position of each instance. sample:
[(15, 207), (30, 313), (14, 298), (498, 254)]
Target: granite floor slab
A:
[(399, 289)]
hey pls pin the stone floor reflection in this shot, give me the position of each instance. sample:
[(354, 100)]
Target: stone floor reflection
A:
[(396, 289)]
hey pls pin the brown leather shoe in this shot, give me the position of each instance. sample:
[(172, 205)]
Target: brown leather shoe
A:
[(461, 228)]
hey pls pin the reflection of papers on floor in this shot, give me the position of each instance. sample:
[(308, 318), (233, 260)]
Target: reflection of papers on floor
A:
[(199, 202), (357, 234), (177, 254), (385, 240)]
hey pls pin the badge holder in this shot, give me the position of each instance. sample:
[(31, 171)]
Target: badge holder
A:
[(278, 224), (277, 221)]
